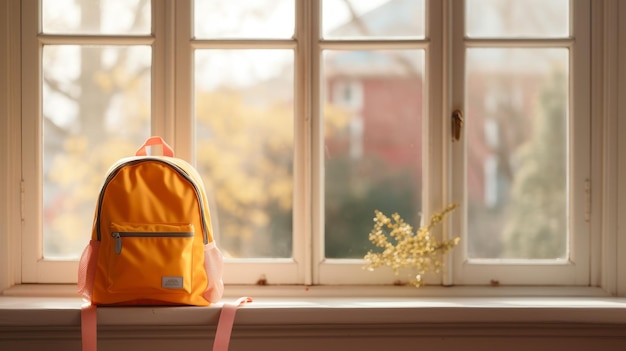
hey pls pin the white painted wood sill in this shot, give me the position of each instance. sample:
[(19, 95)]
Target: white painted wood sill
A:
[(331, 319), (58, 306)]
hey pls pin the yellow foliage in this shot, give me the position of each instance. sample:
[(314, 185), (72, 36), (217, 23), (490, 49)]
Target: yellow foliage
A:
[(335, 119), (245, 154), (103, 80)]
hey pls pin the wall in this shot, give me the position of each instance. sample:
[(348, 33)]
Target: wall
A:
[(621, 148)]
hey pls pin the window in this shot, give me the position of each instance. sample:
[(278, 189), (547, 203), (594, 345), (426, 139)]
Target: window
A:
[(304, 117)]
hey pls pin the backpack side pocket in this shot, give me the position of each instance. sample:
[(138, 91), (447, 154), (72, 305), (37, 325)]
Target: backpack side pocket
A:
[(213, 265), (87, 269)]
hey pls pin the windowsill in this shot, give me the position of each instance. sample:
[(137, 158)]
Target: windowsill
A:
[(289, 307), (329, 318), (350, 291)]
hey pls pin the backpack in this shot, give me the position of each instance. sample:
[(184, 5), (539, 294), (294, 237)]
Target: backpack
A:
[(151, 241)]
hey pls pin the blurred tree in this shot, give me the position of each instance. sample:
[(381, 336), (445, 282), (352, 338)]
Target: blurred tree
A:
[(112, 118), (353, 196), (250, 175), (537, 224), (246, 173)]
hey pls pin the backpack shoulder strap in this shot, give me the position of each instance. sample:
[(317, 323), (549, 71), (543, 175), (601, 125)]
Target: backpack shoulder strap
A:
[(225, 324), (88, 327)]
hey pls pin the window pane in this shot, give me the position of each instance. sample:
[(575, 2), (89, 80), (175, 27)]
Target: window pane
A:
[(96, 109), (244, 18), (515, 18), (372, 129), (244, 133), (373, 18), (517, 156), (96, 16)]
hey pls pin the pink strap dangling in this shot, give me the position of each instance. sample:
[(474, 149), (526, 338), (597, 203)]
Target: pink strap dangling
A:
[(225, 324), (88, 328)]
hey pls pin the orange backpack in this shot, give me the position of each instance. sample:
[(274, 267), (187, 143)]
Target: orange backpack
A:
[(151, 241)]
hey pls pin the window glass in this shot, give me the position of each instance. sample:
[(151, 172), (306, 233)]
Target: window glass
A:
[(373, 146), (96, 16), (514, 18), (96, 109), (517, 157), (244, 134), (373, 18), (244, 18)]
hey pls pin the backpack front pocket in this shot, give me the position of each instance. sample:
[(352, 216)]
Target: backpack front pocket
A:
[(150, 258)]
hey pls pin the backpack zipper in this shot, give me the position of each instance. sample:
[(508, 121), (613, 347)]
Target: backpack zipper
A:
[(117, 236), (178, 169)]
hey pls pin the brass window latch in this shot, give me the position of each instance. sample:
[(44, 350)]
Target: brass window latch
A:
[(457, 124)]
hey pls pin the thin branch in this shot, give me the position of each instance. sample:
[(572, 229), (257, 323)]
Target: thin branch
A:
[(356, 19), (56, 87), (364, 30)]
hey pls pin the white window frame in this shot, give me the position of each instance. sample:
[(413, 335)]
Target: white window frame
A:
[(342, 271), (576, 269), (598, 265)]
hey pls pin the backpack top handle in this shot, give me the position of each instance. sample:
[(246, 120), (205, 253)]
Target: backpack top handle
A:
[(155, 141)]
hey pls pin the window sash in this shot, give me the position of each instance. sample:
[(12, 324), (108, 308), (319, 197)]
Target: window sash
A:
[(36, 269), (575, 270), (350, 271)]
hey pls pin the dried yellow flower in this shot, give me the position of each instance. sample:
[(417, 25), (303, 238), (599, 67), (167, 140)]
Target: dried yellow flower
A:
[(418, 251)]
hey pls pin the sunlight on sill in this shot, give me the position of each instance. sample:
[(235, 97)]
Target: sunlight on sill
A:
[(287, 305), (352, 291)]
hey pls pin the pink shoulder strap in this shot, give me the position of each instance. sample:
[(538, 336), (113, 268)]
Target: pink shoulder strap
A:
[(225, 324), (88, 327), (89, 330)]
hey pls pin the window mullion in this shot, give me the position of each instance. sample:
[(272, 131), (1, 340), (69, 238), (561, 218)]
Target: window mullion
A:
[(435, 165), (163, 70), (184, 140), (579, 141), (456, 151), (308, 224)]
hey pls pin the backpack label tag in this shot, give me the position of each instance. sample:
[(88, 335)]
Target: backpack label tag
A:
[(172, 282)]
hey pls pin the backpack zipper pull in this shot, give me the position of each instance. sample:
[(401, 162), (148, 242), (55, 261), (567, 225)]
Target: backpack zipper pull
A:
[(118, 242)]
